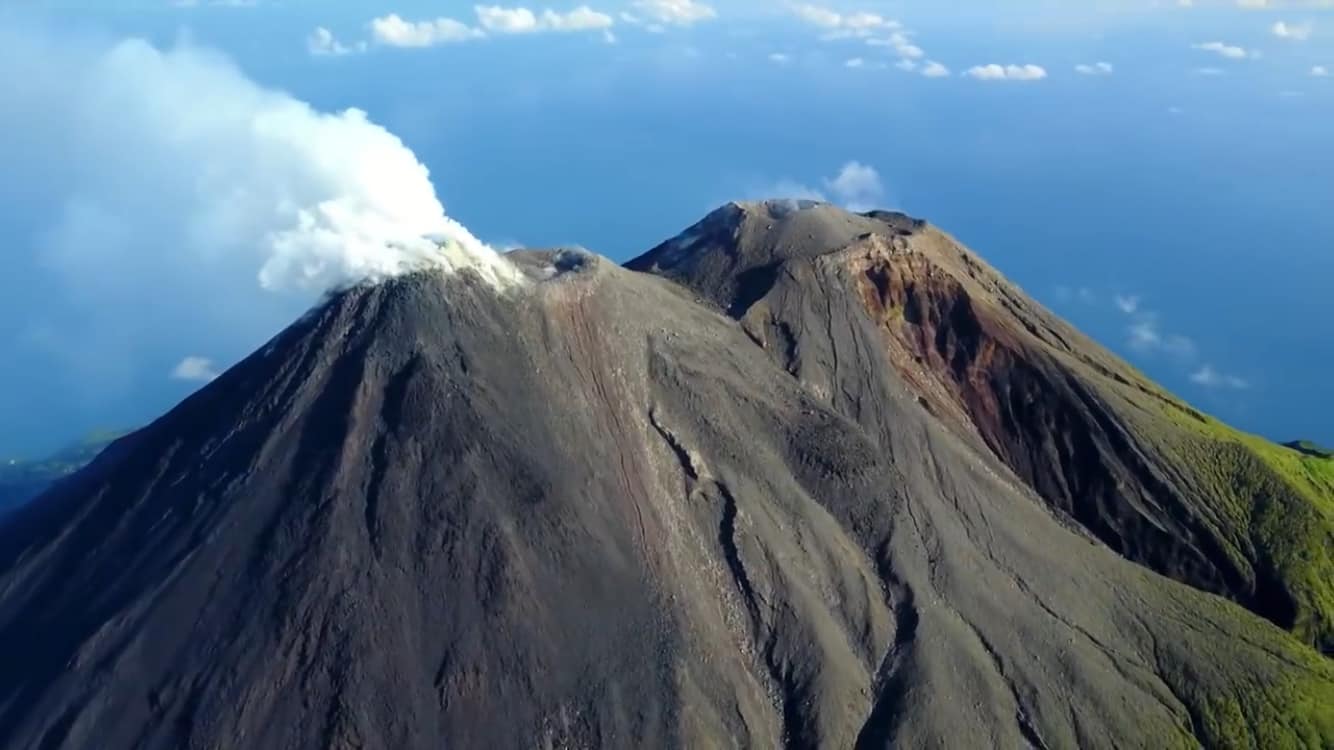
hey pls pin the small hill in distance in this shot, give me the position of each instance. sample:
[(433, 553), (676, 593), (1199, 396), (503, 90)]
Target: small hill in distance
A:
[(1310, 448), (23, 480)]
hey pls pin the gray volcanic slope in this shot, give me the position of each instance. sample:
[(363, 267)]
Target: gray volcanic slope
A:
[(865, 308), (591, 512)]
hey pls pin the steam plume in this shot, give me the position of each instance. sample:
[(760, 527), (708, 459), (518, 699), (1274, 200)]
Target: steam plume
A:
[(317, 199), (166, 204)]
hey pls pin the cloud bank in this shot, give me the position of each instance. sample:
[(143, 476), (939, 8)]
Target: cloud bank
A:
[(675, 12), (393, 31), (520, 20), (839, 25), (995, 72)]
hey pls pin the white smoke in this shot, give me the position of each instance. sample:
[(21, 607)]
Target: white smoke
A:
[(164, 204), (317, 200)]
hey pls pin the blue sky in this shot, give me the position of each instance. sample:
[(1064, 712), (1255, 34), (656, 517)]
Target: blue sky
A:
[(1158, 174)]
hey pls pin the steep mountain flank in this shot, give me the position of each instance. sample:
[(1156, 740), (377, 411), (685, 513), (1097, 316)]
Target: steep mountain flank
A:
[(1156, 480), (589, 511)]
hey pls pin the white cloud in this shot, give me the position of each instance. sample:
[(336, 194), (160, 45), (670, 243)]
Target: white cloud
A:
[(582, 18), (875, 29), (855, 62), (857, 187), (1146, 337), (195, 369), (819, 16), (994, 72), (901, 43), (1294, 32), (935, 70), (1095, 69), (323, 42), (906, 49), (506, 20), (1320, 71), (868, 21), (1231, 52), (675, 12), (1208, 71), (1209, 377), (789, 190), (393, 31), (780, 58), (842, 25), (503, 20)]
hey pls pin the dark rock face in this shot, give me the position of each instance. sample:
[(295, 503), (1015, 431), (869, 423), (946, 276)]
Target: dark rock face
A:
[(588, 512)]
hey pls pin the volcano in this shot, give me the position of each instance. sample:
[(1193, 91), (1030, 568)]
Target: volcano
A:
[(797, 477)]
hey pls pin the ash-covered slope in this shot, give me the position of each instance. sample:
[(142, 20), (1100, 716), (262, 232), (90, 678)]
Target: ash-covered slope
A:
[(589, 511), (861, 308)]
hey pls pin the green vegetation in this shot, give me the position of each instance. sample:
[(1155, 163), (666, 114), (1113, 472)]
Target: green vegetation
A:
[(1284, 713), (1241, 703), (1271, 505)]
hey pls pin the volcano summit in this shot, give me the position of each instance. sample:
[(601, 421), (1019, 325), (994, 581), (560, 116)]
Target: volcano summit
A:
[(798, 477)]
